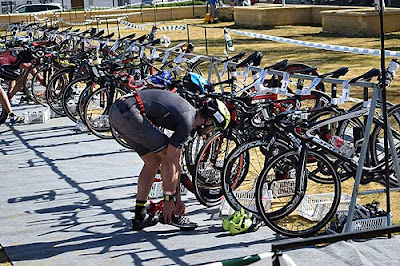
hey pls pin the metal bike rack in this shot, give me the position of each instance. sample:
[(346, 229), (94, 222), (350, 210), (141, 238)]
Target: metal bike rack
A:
[(378, 93)]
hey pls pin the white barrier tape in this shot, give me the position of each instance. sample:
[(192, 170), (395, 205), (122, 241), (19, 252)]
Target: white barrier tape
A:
[(329, 47), (156, 3), (131, 25), (111, 8), (116, 28), (109, 20), (86, 22), (172, 28), (117, 15), (40, 19)]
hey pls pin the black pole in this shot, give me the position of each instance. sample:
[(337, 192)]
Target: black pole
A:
[(187, 33), (384, 110), (155, 14), (205, 37), (141, 11), (85, 18), (108, 32), (193, 7), (119, 34)]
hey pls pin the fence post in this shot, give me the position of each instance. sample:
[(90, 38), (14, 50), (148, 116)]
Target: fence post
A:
[(188, 33), (205, 37)]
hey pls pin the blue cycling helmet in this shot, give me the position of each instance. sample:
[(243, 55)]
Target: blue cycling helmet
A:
[(195, 82), (161, 79)]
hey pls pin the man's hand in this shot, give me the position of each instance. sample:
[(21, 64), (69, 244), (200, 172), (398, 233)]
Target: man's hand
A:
[(180, 208), (168, 209)]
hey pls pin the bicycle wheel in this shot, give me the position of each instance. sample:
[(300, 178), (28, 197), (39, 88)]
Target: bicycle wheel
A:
[(299, 206), (55, 89), (84, 96), (243, 167), (37, 83), (70, 97), (97, 108), (377, 146), (209, 164), (343, 170), (188, 163)]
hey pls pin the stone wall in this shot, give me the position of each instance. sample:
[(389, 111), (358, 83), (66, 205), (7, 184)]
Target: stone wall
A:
[(148, 14), (361, 22), (342, 20)]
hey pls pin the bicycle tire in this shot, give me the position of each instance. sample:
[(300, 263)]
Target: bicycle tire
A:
[(376, 143), (209, 162), (97, 108), (188, 163), (55, 88), (243, 167), (71, 95), (292, 213)]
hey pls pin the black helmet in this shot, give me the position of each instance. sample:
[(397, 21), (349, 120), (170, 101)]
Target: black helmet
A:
[(219, 113)]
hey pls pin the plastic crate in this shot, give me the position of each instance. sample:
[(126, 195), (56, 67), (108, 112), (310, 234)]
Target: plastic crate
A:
[(313, 207), (245, 198), (283, 188), (34, 117), (156, 190), (363, 224)]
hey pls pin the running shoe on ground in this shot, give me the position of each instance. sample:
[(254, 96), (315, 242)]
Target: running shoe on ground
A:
[(148, 221), (235, 217), (247, 223), (182, 222), (15, 119)]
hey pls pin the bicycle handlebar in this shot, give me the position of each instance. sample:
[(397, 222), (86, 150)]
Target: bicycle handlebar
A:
[(235, 57), (335, 74), (367, 76)]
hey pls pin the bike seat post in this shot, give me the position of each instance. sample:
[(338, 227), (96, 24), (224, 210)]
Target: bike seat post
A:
[(334, 94)]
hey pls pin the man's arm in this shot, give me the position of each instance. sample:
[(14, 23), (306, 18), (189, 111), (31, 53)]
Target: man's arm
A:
[(170, 174), (170, 168)]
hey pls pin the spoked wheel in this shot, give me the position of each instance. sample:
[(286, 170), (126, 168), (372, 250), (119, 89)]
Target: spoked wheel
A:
[(377, 142), (188, 163), (71, 95), (35, 85), (97, 109), (243, 167), (209, 164), (54, 91), (299, 206)]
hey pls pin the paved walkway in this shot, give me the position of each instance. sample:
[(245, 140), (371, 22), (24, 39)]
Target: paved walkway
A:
[(66, 199)]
